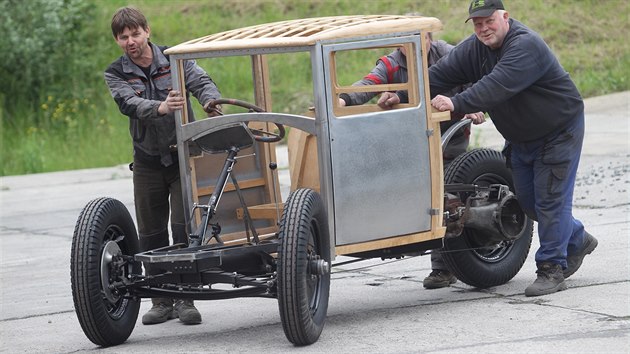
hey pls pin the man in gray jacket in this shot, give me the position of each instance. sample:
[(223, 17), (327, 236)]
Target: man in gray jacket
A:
[(140, 83)]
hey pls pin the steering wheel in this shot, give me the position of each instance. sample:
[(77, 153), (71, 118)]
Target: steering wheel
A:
[(214, 108)]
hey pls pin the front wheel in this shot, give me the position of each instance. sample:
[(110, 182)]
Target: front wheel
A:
[(468, 256), (303, 267), (104, 234)]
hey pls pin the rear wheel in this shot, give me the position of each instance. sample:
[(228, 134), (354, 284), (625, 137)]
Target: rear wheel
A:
[(303, 267), (103, 234), (467, 256)]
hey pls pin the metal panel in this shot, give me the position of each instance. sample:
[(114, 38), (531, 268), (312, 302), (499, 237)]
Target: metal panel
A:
[(381, 178), (380, 170)]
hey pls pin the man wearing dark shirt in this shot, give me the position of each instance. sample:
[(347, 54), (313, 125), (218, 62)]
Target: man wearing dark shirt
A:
[(537, 108)]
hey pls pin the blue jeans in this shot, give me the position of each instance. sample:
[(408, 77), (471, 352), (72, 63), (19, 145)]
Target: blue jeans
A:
[(544, 177)]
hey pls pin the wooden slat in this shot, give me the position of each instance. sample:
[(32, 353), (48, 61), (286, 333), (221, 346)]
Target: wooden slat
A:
[(390, 242), (245, 184), (437, 116), (371, 88), (303, 160), (262, 93), (412, 74), (243, 240), (296, 146), (436, 164), (365, 108), (191, 161), (263, 211)]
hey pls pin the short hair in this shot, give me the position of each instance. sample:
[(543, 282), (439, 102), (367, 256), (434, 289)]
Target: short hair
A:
[(128, 17)]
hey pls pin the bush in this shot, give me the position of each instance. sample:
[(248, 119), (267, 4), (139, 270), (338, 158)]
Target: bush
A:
[(53, 113), (45, 53)]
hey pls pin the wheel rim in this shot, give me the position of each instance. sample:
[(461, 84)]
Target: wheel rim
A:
[(314, 278), (497, 252), (115, 303), (110, 250)]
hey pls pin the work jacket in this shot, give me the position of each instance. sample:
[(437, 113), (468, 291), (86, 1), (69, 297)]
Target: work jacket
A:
[(138, 97), (521, 84)]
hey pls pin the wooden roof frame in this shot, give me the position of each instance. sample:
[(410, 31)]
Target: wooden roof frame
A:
[(306, 32)]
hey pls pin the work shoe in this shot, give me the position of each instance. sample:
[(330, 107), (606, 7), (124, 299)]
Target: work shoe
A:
[(439, 279), (550, 280), (574, 261), (187, 312), (161, 311)]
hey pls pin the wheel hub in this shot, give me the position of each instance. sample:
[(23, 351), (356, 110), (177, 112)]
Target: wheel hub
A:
[(110, 251), (319, 266)]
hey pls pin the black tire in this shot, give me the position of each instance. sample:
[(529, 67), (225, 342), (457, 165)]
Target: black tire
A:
[(105, 228), (488, 266), (303, 277)]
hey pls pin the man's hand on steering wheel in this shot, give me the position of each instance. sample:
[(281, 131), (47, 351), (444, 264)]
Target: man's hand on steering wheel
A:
[(212, 110)]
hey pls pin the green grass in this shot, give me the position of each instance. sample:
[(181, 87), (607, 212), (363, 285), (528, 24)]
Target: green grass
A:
[(588, 37)]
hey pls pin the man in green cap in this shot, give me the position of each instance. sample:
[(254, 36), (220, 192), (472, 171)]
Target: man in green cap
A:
[(537, 108)]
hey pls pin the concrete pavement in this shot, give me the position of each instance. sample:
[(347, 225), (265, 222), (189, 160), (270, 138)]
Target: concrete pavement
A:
[(375, 306)]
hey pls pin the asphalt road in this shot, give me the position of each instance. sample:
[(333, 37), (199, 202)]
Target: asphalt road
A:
[(375, 306)]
